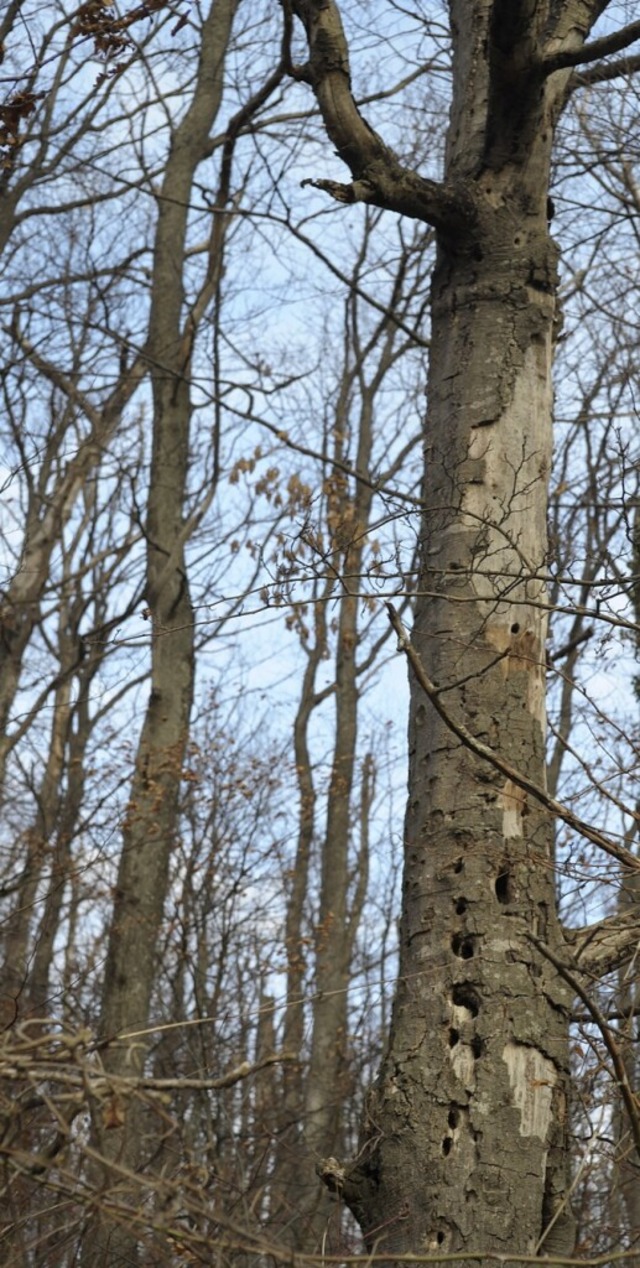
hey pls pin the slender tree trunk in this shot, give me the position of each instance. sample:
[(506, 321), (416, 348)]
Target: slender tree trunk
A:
[(627, 1177), (289, 1187), (348, 514), (628, 995), (150, 827), (48, 514), (17, 952), (319, 1103)]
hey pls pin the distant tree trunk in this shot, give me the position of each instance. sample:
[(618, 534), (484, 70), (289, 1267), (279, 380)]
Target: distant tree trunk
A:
[(627, 1175), (150, 827), (337, 918), (48, 513), (628, 997), (318, 1100), (37, 853)]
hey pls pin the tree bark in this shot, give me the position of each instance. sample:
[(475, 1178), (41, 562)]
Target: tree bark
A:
[(464, 1145), (149, 830), (475, 1079)]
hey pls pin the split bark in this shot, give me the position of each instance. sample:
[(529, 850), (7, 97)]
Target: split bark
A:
[(464, 1145)]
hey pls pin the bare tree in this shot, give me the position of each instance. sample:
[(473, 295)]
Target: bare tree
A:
[(473, 1091), (364, 461)]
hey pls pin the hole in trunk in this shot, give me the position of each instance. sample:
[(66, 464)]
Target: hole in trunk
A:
[(461, 906), (458, 865), (446, 1145), (462, 946), (476, 1047), (503, 887), (453, 1118), (454, 1037), (464, 996)]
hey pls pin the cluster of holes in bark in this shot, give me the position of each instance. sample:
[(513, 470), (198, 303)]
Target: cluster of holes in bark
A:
[(475, 1045), (464, 996), (453, 1119)]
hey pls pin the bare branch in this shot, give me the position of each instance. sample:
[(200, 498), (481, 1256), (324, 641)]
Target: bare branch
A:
[(379, 177), (607, 1036), (498, 762), (603, 72), (606, 945), (591, 52)]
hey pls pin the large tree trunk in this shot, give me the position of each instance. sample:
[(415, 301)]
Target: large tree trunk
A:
[(467, 1124), (465, 1146)]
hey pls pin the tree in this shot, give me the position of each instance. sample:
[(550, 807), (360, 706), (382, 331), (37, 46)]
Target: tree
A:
[(464, 1144)]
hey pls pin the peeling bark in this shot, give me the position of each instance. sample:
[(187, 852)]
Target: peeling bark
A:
[(464, 1145)]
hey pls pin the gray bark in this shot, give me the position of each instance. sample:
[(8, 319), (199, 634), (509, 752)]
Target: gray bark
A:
[(464, 1145), (151, 823), (475, 1079)]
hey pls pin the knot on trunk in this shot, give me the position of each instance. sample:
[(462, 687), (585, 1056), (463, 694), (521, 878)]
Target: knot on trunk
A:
[(354, 1183)]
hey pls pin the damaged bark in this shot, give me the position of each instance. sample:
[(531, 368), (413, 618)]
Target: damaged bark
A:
[(476, 1077), (464, 1143)]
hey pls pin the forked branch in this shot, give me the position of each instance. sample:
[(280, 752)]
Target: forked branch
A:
[(379, 178)]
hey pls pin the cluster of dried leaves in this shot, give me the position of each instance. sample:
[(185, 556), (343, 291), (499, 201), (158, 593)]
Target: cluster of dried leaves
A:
[(98, 21), (20, 106)]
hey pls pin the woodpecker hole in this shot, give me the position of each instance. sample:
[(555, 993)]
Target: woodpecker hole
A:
[(453, 1118), (462, 946), (461, 906), (454, 1037), (503, 887), (464, 996), (446, 1146), (458, 866)]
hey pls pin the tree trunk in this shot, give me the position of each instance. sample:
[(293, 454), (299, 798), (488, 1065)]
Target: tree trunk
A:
[(464, 1147), (150, 828), (466, 1135)]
